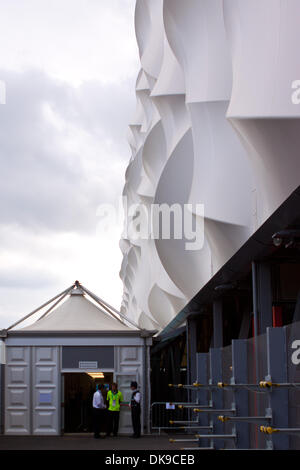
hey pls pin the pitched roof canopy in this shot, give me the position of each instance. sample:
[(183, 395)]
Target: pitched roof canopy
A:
[(77, 313)]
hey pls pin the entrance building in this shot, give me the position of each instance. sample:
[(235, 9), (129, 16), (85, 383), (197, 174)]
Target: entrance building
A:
[(50, 368)]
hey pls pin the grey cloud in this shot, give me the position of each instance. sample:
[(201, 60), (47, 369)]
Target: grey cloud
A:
[(43, 185), (105, 109), (28, 278)]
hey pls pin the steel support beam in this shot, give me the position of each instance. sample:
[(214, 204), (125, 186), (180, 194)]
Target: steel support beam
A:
[(264, 297), (202, 395), (218, 323), (216, 395), (240, 375), (191, 326), (277, 398)]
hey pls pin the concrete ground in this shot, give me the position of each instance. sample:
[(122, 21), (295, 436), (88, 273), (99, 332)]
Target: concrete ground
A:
[(88, 442)]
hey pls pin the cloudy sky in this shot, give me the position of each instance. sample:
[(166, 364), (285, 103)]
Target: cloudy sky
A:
[(69, 67)]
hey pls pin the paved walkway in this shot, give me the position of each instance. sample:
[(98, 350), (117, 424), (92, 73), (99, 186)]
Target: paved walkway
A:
[(87, 442)]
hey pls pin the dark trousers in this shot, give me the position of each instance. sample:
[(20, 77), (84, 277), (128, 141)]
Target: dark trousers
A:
[(113, 422), (99, 421), (136, 420)]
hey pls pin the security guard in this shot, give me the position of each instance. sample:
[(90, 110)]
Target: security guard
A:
[(114, 398), (135, 405)]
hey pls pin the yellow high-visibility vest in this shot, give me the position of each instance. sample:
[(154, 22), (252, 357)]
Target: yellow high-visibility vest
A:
[(114, 400)]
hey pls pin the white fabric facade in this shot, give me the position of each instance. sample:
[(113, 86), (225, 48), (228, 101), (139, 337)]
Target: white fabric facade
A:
[(217, 123)]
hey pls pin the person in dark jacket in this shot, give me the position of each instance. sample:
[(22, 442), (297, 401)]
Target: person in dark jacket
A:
[(135, 405)]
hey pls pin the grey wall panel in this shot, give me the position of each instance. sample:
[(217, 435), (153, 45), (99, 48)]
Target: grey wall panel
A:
[(45, 394), (1, 398), (102, 355), (17, 392), (128, 367), (76, 340)]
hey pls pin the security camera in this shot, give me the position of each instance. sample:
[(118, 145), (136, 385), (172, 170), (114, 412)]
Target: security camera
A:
[(290, 237), (277, 241)]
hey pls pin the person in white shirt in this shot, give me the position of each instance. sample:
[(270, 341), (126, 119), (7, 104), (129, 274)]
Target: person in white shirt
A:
[(99, 408)]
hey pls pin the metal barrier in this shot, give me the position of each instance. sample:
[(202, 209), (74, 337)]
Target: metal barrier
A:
[(247, 395), (162, 418)]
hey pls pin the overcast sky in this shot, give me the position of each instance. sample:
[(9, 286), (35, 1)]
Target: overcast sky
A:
[(69, 67)]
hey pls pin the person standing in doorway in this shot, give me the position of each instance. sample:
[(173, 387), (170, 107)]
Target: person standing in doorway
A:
[(98, 411), (114, 398), (135, 405)]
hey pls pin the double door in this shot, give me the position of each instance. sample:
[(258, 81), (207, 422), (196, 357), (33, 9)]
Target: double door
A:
[(31, 390)]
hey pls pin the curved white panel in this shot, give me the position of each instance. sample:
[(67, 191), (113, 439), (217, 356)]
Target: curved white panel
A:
[(215, 124), (262, 38)]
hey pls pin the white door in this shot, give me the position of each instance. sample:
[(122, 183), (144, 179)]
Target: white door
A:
[(123, 380), (45, 401), (17, 390)]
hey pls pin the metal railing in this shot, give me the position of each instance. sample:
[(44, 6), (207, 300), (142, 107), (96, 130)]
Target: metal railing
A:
[(162, 418)]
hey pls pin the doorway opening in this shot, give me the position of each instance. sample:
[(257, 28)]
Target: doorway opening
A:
[(78, 390)]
